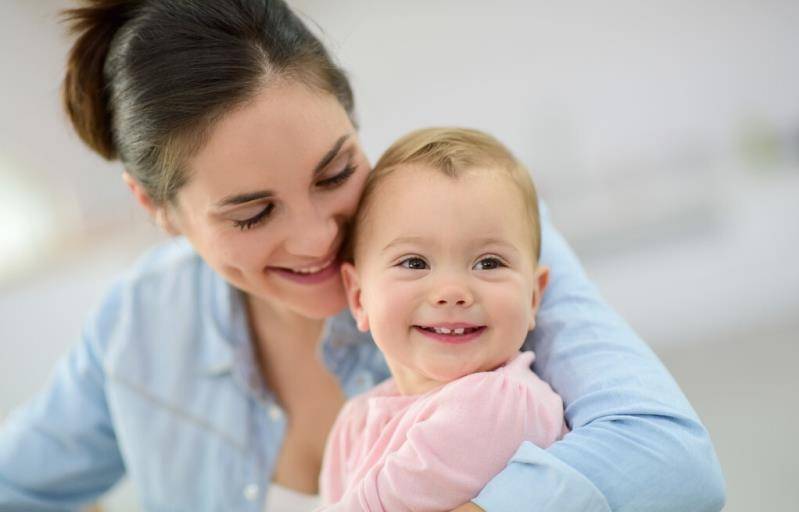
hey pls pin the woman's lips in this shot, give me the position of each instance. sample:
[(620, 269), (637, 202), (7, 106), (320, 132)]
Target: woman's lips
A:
[(470, 334), (331, 270)]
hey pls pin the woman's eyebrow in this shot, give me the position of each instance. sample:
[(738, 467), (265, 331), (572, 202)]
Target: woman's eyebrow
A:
[(330, 155), (244, 198), (263, 194)]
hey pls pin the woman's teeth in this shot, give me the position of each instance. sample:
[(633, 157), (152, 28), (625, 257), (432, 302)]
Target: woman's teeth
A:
[(313, 270)]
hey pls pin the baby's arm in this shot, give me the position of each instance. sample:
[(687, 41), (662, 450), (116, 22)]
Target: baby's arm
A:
[(335, 473), (463, 438)]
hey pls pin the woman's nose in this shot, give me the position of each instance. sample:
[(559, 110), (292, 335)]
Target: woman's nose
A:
[(312, 234)]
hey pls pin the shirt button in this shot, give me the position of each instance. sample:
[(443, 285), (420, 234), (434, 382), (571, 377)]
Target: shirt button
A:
[(361, 381), (251, 492), (275, 413)]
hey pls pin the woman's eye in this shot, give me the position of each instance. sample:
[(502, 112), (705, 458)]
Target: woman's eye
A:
[(489, 263), (338, 179), (413, 263), (255, 219)]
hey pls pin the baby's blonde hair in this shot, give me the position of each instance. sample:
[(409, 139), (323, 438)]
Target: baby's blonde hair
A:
[(452, 152)]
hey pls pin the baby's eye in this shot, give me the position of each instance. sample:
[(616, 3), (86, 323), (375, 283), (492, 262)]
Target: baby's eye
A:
[(414, 263), (488, 263)]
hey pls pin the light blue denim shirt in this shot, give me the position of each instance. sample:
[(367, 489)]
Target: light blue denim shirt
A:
[(163, 387)]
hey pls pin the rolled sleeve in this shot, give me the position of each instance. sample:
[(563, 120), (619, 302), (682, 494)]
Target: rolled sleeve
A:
[(534, 480)]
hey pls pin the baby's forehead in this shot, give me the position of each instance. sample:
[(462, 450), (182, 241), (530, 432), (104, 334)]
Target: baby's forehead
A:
[(421, 175), (404, 185), (413, 199)]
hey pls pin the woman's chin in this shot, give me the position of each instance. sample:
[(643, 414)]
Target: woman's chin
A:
[(321, 307), (324, 312)]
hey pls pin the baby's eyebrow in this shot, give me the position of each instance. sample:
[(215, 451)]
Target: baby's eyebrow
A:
[(404, 240), (477, 242), (481, 242)]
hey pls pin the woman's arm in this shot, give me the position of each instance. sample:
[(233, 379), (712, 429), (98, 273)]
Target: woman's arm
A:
[(59, 451), (636, 443)]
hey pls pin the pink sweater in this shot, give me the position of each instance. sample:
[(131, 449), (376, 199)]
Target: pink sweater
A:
[(436, 451)]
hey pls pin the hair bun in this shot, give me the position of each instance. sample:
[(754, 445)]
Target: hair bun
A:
[(84, 91)]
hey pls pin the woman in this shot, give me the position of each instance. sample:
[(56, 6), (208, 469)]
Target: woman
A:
[(202, 374)]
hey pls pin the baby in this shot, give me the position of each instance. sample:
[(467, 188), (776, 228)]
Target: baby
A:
[(445, 274)]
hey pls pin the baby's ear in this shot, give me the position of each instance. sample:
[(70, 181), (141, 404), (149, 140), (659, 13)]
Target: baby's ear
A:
[(541, 279), (352, 287)]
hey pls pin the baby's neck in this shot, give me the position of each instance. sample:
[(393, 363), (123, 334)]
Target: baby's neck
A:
[(412, 383)]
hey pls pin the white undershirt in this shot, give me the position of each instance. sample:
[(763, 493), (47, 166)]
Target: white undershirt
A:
[(283, 499)]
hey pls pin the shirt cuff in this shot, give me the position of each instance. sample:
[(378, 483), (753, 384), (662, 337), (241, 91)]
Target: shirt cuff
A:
[(536, 481)]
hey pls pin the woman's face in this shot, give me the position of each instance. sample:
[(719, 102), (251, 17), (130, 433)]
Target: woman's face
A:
[(269, 197)]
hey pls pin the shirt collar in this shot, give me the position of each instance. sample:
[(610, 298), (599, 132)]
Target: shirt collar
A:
[(224, 323), (340, 339)]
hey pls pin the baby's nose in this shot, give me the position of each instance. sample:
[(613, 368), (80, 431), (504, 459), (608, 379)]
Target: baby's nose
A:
[(452, 295)]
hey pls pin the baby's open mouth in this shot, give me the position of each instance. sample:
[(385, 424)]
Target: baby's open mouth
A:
[(456, 331)]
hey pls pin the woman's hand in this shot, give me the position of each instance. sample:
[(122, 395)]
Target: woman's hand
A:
[(468, 507)]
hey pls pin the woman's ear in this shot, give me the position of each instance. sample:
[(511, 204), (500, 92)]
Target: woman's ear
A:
[(352, 287), (541, 279), (157, 212)]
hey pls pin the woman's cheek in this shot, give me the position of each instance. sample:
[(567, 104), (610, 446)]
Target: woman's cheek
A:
[(244, 250)]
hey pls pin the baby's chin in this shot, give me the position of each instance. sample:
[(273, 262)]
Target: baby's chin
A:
[(448, 373)]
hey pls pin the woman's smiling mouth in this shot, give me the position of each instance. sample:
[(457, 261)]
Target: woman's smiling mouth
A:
[(310, 274)]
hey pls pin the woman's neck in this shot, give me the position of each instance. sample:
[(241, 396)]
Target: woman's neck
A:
[(281, 318), (280, 331), (286, 347)]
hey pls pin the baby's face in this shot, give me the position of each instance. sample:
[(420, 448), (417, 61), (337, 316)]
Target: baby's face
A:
[(445, 278)]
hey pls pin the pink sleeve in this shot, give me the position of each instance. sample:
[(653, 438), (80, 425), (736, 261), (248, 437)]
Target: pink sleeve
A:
[(467, 435), (333, 476)]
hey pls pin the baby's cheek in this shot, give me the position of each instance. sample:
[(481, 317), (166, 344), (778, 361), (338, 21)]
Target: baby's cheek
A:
[(515, 311), (398, 297), (392, 311)]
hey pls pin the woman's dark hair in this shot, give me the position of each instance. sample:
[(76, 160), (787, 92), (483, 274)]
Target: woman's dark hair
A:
[(146, 79)]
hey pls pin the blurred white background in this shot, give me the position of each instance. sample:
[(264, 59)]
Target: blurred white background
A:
[(664, 137)]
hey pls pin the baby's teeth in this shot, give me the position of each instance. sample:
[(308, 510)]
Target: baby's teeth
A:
[(445, 330)]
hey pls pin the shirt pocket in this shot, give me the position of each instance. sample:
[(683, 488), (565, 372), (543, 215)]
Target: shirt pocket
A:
[(179, 455)]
